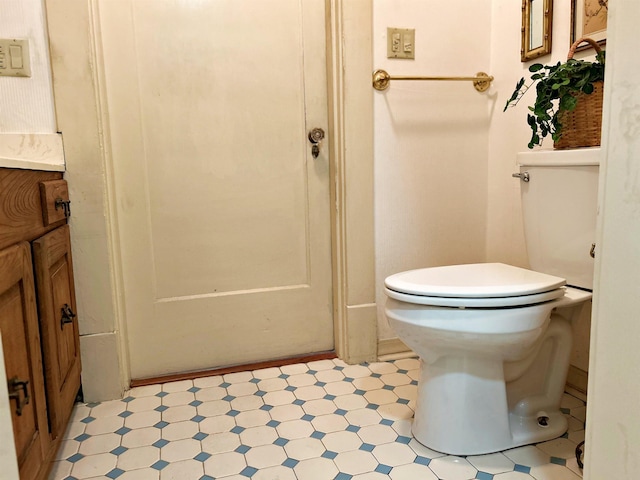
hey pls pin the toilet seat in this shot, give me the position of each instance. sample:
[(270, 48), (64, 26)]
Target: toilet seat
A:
[(479, 285)]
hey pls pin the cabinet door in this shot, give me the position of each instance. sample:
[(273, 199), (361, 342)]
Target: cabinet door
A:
[(58, 324), (23, 361)]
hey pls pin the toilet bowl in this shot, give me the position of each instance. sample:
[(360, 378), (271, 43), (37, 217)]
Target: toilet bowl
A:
[(486, 335), (495, 340)]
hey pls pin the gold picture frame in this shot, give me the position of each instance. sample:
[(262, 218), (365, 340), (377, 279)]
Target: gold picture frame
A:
[(589, 19), (537, 17)]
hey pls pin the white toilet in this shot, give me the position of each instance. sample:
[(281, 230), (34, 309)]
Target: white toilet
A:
[(495, 340)]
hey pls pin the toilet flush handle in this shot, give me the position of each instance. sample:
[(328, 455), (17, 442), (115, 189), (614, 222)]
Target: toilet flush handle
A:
[(524, 176)]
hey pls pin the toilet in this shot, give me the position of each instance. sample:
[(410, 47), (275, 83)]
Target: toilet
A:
[(494, 339)]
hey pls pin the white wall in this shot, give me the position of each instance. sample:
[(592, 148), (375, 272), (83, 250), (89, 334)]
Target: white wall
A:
[(613, 422), (430, 140), (26, 104)]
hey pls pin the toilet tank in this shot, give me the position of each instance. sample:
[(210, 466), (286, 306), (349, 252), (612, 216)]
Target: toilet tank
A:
[(559, 205)]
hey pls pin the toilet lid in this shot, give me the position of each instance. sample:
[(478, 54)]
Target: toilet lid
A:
[(480, 281)]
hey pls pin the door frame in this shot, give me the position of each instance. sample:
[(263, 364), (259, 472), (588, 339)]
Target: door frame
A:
[(74, 35)]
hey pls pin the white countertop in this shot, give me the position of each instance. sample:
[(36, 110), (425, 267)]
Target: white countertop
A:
[(32, 151)]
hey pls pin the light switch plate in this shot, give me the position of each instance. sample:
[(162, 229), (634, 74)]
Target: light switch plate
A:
[(14, 58), (401, 43)]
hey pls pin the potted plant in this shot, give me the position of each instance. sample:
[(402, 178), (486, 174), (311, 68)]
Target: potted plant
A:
[(564, 98)]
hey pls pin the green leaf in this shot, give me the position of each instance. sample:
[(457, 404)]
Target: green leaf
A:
[(535, 67)]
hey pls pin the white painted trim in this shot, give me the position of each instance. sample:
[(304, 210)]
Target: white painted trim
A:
[(392, 346), (350, 28)]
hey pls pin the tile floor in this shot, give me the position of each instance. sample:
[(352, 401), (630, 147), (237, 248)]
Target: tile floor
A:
[(321, 420)]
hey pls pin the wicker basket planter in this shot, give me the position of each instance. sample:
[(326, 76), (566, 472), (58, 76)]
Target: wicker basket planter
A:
[(581, 127)]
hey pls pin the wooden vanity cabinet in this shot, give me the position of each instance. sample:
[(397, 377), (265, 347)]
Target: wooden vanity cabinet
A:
[(37, 314)]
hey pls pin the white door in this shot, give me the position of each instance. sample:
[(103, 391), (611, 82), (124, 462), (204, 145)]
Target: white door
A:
[(222, 211)]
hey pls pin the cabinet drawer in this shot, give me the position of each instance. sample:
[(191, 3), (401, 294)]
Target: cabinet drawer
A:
[(54, 196)]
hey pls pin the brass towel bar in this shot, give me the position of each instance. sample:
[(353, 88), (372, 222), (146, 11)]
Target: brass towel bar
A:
[(481, 81)]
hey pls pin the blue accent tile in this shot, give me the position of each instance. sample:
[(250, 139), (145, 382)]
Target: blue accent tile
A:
[(329, 454), (93, 404), (75, 457), (200, 436), (119, 450), (422, 460), (359, 392), (159, 465), (320, 384), (353, 428), (348, 379), (229, 398), (194, 389), (558, 461), (340, 411), (198, 418), (202, 457), (338, 367), (402, 439), (266, 408), (123, 431), (281, 442), (372, 406), (386, 421), (312, 372), (307, 418), (318, 435), (484, 476), (414, 382), (521, 468), (403, 371), (128, 399), (115, 473), (206, 477), (343, 476), (260, 393), (329, 397), (161, 424), (403, 401), (161, 394), (565, 435), (87, 420), (290, 462), (384, 469), (195, 403), (376, 375), (242, 449), (290, 388), (125, 414), (273, 423), (160, 443), (82, 437), (255, 380), (283, 376), (388, 387), (225, 385), (367, 447), (161, 408), (237, 430), (565, 410), (298, 402), (248, 472), (233, 413)]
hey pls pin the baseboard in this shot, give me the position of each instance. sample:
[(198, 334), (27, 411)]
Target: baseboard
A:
[(577, 379), (393, 349)]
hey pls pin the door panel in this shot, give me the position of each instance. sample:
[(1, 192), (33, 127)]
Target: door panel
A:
[(60, 340), (222, 211), (23, 361)]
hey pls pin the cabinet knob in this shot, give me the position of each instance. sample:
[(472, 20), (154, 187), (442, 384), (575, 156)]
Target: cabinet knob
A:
[(15, 386), (67, 315)]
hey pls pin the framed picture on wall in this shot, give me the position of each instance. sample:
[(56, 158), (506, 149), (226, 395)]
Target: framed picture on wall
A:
[(589, 19)]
